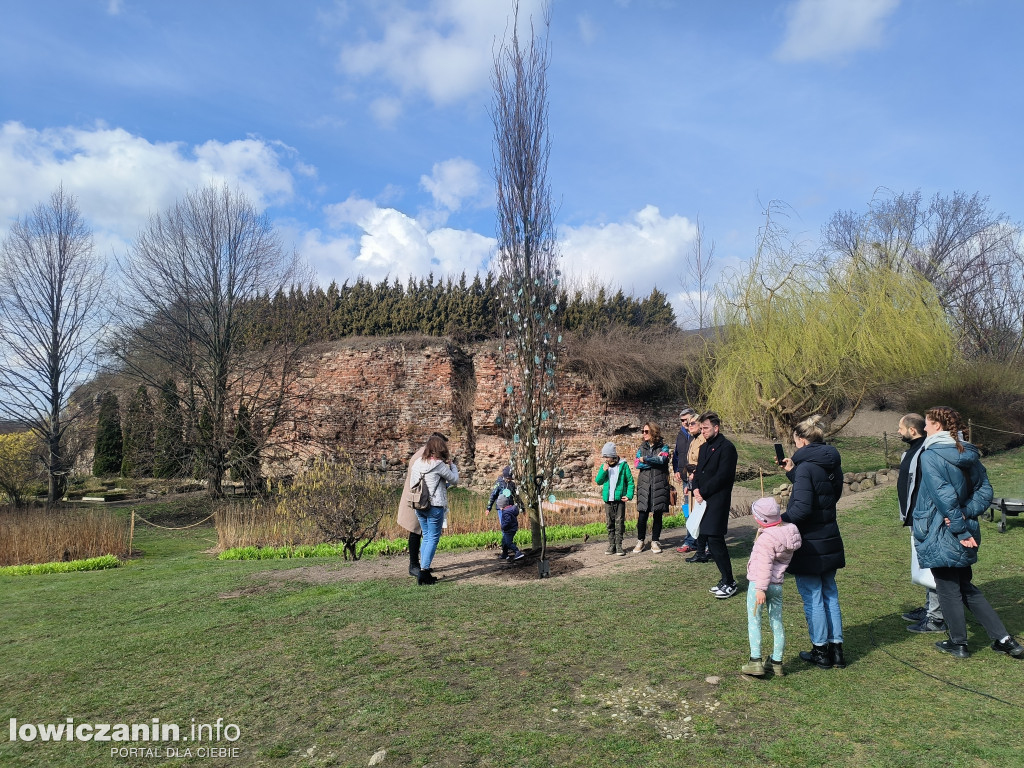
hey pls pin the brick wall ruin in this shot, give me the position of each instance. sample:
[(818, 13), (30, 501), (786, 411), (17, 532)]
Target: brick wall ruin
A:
[(379, 401)]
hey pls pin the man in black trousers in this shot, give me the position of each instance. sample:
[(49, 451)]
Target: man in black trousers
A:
[(712, 483)]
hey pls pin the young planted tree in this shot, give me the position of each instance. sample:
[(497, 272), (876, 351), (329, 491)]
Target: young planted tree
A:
[(193, 278), (51, 315), (528, 273), (798, 337), (109, 449), (138, 435)]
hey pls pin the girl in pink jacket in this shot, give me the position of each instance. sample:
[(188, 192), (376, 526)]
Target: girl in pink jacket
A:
[(774, 546)]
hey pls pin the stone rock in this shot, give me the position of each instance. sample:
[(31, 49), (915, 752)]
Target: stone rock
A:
[(378, 757), (854, 487), (866, 483)]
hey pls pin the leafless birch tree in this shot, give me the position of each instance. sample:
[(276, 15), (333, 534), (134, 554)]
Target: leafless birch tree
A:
[(52, 314), (971, 255), (190, 280), (527, 264), (695, 281)]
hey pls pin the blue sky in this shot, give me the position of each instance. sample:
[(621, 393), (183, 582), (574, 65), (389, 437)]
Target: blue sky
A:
[(361, 126)]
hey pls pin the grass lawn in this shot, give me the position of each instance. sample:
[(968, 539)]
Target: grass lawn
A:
[(572, 671)]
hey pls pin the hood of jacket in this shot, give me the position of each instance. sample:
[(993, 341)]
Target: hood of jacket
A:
[(825, 456), (949, 452)]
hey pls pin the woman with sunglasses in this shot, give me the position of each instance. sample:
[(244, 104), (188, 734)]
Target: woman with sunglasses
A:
[(652, 487)]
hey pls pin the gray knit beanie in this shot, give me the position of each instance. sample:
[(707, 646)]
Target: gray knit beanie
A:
[(609, 452)]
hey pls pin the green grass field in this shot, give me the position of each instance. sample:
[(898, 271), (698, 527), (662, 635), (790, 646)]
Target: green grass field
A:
[(571, 671)]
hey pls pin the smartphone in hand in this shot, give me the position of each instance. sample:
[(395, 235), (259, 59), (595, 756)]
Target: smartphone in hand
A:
[(779, 455)]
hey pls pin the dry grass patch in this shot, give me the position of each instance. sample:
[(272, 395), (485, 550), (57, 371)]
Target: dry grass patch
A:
[(45, 536)]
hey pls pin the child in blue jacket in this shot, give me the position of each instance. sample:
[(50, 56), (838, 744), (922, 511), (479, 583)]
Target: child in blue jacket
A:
[(504, 497)]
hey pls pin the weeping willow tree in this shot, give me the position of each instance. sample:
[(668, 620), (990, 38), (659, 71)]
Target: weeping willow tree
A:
[(527, 266), (798, 336)]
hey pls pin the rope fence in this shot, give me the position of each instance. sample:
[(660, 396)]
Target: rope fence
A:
[(136, 515)]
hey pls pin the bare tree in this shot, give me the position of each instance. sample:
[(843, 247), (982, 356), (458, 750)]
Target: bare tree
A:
[(527, 264), (51, 317), (971, 255), (695, 281), (191, 279)]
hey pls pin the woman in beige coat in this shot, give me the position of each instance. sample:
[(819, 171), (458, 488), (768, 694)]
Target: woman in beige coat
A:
[(407, 515)]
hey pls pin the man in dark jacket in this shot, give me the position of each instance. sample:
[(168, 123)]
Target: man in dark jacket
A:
[(712, 483), (927, 618), (682, 444)]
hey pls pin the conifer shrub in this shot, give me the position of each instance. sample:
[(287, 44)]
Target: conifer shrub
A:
[(109, 449), (137, 458)]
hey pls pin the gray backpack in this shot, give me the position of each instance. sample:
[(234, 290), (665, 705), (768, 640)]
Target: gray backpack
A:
[(421, 492)]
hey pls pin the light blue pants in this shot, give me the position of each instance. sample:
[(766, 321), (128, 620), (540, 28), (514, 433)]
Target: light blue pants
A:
[(821, 606), (773, 599), (431, 521)]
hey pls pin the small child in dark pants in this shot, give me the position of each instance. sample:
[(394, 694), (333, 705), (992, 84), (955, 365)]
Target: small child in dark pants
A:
[(616, 481), (504, 497)]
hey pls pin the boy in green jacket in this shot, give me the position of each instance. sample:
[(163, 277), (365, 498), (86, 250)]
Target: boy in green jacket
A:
[(617, 488)]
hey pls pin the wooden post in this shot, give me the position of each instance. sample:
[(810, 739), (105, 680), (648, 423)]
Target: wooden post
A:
[(761, 473), (885, 447), (131, 534), (970, 428)]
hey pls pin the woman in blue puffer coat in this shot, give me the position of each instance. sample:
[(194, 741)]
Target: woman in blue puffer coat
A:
[(954, 490)]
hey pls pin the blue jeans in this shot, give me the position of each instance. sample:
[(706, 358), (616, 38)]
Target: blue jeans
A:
[(508, 543), (821, 606), (430, 522), (773, 599)]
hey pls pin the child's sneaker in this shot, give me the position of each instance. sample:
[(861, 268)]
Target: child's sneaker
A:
[(638, 548), (771, 665), (656, 547), (503, 556), (519, 555), (610, 550)]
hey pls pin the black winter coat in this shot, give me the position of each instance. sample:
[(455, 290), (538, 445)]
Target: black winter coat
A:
[(817, 485), (714, 478), (652, 483)]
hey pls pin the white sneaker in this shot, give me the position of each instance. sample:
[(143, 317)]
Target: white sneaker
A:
[(655, 547), (727, 590), (638, 548)]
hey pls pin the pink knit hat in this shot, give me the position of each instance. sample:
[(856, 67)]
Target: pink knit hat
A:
[(766, 512)]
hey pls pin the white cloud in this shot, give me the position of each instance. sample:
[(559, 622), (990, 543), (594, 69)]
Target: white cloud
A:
[(587, 28), (392, 244), (453, 181), (648, 251), (121, 179), (825, 29), (445, 51)]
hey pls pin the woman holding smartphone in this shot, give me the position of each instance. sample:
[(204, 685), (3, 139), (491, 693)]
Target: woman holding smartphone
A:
[(816, 472)]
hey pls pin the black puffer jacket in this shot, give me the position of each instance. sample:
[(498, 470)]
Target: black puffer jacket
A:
[(652, 483), (817, 485)]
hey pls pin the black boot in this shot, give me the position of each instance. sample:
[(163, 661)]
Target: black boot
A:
[(414, 554), (835, 651), (426, 577), (818, 655)]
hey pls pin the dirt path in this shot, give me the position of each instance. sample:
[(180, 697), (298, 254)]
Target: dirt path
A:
[(568, 560)]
